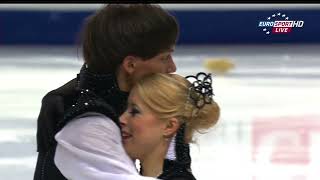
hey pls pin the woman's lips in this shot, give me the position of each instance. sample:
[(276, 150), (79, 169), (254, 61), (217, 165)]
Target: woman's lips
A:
[(125, 135)]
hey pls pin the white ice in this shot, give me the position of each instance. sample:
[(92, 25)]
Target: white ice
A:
[(277, 83)]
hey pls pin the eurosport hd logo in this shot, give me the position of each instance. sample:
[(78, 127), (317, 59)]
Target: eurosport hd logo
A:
[(279, 24)]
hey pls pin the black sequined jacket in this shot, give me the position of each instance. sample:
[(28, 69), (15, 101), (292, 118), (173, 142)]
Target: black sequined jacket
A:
[(87, 92)]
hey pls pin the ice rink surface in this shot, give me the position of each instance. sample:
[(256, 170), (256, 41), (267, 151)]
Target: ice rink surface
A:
[(269, 126)]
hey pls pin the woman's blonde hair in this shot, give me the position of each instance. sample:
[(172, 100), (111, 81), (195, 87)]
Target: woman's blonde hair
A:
[(167, 96)]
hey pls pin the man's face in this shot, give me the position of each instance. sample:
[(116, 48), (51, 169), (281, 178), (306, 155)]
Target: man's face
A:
[(161, 63)]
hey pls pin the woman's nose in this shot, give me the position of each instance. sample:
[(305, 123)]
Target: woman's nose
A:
[(122, 120)]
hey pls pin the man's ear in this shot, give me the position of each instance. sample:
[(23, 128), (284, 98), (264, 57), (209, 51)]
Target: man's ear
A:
[(129, 64), (171, 127)]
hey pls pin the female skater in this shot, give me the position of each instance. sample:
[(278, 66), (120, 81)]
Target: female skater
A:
[(164, 110)]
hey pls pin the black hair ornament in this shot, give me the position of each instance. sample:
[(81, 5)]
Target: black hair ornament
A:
[(200, 90)]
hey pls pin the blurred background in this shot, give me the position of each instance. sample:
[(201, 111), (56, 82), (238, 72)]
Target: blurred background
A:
[(267, 84)]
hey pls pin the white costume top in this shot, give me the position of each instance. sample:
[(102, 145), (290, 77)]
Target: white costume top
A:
[(90, 148)]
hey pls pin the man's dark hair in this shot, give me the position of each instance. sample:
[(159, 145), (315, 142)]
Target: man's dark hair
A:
[(117, 30)]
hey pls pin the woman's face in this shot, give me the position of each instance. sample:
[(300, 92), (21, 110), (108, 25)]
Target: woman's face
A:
[(142, 131)]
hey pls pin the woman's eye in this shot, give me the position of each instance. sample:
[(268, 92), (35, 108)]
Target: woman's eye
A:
[(134, 111)]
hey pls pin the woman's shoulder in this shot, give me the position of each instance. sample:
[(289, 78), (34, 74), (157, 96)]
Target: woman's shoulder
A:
[(174, 170), (179, 176)]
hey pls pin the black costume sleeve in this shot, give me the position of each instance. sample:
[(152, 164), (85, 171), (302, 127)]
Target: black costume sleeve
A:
[(52, 110)]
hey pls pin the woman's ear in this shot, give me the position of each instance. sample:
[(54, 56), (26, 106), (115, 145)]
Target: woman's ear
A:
[(171, 127), (129, 64)]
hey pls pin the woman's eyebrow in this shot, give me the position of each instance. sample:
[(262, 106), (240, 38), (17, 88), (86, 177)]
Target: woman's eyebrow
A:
[(130, 103), (135, 105)]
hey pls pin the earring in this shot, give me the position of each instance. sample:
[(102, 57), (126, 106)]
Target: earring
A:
[(166, 138)]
